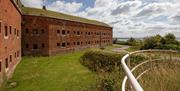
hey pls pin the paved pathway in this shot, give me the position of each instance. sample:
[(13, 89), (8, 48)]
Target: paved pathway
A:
[(121, 49)]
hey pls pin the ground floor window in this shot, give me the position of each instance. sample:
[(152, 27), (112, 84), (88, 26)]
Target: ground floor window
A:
[(63, 44), (35, 46), (6, 31), (6, 62), (10, 58), (0, 67)]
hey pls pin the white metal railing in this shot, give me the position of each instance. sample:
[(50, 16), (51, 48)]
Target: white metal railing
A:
[(133, 81)]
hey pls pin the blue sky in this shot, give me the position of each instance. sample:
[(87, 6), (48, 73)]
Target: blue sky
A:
[(129, 18)]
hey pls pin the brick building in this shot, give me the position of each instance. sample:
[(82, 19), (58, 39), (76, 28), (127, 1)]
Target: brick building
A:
[(46, 32), (10, 37)]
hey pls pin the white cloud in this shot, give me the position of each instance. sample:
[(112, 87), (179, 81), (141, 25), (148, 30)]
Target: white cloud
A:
[(33, 3), (62, 6)]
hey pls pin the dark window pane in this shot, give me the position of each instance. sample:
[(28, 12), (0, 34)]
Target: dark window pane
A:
[(6, 31), (63, 44), (35, 46), (35, 31), (58, 31), (58, 44), (63, 32), (43, 45), (27, 30), (6, 63), (42, 31), (27, 46)]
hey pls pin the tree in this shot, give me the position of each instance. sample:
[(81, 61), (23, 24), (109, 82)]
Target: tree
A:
[(131, 41), (170, 38)]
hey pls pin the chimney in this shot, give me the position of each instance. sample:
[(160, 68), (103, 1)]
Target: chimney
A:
[(44, 7)]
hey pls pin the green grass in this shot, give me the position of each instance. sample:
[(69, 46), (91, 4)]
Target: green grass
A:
[(57, 73)]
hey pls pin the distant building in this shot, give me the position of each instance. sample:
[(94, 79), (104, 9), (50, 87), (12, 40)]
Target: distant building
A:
[(10, 37), (46, 32)]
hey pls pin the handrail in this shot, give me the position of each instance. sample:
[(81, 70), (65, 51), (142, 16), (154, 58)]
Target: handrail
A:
[(136, 86)]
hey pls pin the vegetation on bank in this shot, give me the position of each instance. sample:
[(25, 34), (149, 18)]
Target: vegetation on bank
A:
[(154, 42), (107, 66)]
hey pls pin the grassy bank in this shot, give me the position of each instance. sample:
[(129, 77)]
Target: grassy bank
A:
[(57, 73)]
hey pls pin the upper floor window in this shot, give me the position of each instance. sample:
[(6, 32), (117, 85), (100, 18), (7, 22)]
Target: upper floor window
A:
[(68, 32), (6, 31), (0, 26), (10, 29), (35, 31), (68, 43), (14, 31), (78, 33), (63, 32), (58, 31), (42, 31)]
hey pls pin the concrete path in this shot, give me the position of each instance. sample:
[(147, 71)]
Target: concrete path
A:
[(121, 49)]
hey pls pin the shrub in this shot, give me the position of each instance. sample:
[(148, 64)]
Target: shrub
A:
[(101, 61)]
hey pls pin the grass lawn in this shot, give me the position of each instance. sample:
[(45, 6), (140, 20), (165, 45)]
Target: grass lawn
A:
[(56, 73)]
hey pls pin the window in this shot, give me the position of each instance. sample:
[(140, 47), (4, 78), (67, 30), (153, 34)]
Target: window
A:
[(17, 53), (78, 43), (35, 31), (42, 31), (78, 33), (6, 31), (58, 31), (6, 63), (0, 26), (68, 32), (10, 59), (63, 32), (27, 30), (27, 45), (0, 66), (10, 29), (88, 33), (43, 45), (35, 46), (68, 43), (58, 44), (17, 33), (14, 31), (63, 44)]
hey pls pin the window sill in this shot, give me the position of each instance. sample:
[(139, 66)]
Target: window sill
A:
[(6, 37)]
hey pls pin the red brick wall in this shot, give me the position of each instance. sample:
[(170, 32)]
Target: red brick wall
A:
[(77, 35), (10, 44)]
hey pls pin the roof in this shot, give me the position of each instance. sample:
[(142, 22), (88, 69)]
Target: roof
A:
[(52, 14), (17, 4)]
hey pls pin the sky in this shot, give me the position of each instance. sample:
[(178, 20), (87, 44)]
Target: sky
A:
[(129, 18)]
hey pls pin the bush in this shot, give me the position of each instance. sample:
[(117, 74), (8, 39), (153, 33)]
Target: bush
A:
[(101, 61)]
